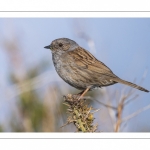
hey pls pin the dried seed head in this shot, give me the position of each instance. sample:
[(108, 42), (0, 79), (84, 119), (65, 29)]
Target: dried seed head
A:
[(80, 114)]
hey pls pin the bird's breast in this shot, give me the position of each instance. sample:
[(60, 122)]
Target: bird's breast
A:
[(68, 71)]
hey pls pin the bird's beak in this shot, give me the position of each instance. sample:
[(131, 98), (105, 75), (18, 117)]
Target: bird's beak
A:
[(48, 47)]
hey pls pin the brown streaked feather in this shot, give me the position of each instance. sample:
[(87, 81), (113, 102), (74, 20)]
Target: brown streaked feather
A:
[(86, 60)]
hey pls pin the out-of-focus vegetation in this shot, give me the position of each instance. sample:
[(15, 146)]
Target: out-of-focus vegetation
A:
[(37, 97)]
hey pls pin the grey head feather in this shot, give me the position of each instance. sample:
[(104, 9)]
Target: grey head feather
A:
[(72, 43)]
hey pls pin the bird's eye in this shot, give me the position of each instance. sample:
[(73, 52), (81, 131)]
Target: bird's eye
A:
[(60, 44)]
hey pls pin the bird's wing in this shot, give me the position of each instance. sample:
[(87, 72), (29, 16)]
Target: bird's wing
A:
[(86, 60)]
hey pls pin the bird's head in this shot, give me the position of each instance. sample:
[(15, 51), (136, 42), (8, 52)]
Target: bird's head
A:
[(62, 45)]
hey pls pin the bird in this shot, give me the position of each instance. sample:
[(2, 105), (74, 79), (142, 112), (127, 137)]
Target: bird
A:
[(80, 69)]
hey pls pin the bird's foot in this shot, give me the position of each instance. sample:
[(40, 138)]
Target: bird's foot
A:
[(72, 99)]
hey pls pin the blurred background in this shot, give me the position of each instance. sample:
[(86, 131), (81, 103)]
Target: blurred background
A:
[(31, 92)]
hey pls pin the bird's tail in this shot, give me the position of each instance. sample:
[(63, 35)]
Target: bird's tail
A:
[(129, 84)]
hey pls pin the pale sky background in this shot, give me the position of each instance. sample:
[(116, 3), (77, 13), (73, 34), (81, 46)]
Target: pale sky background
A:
[(122, 44)]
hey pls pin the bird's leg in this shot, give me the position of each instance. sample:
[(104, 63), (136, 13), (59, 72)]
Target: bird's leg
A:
[(83, 92), (80, 93), (76, 96)]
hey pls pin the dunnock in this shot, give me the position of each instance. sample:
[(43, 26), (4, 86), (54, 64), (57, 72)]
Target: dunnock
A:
[(80, 68)]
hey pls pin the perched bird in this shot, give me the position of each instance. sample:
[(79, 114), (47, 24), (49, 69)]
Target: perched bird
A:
[(79, 68)]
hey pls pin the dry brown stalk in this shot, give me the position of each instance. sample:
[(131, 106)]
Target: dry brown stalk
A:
[(119, 116), (120, 110)]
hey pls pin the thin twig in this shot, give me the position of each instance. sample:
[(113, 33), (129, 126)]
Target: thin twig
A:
[(128, 101), (135, 113), (120, 111), (96, 111), (93, 99)]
